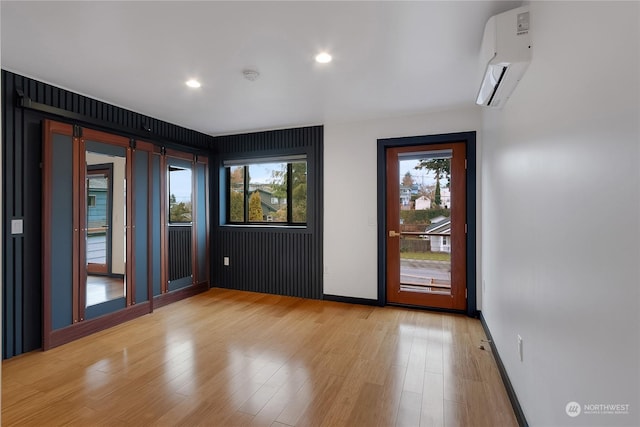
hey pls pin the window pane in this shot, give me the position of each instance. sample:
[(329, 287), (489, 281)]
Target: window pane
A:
[(179, 194), (299, 191), (268, 192), (425, 218), (236, 194)]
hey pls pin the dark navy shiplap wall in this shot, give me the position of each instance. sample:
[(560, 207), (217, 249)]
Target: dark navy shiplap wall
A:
[(156, 241), (285, 261), (22, 189), (202, 226), (276, 260), (142, 250), (62, 233), (121, 118)]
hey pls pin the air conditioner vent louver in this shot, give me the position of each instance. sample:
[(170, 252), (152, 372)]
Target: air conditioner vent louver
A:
[(506, 53)]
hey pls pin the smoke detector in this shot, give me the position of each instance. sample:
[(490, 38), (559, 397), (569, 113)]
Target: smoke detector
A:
[(250, 74)]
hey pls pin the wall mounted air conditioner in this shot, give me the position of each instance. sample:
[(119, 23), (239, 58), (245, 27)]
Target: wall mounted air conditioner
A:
[(506, 51)]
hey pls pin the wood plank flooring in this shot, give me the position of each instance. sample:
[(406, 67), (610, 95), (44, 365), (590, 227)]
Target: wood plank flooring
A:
[(230, 358), (103, 288)]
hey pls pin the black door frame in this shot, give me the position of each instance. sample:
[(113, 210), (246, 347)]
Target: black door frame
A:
[(469, 140)]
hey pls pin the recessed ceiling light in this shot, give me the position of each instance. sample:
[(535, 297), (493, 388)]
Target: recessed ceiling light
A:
[(193, 83), (323, 57)]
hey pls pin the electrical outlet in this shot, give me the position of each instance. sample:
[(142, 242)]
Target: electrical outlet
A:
[(225, 261), (17, 226), (520, 347)]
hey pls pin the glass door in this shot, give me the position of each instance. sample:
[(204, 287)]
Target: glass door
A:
[(180, 224), (99, 217), (426, 262), (104, 243)]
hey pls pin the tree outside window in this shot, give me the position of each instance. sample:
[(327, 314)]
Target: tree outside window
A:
[(274, 192), (180, 187)]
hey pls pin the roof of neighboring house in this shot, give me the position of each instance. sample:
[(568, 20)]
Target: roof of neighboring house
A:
[(98, 184), (265, 199), (443, 226)]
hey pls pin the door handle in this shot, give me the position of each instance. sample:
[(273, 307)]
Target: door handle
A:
[(393, 233)]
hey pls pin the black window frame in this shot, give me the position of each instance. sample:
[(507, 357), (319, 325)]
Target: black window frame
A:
[(245, 164)]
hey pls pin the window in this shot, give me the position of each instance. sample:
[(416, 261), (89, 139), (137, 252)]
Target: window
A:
[(91, 200), (259, 191), (179, 195)]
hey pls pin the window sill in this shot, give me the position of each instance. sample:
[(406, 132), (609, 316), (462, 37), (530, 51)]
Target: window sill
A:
[(268, 226)]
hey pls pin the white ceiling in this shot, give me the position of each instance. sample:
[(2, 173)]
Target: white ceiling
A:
[(390, 58)]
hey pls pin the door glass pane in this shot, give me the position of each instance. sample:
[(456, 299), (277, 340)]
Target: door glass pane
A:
[(425, 222), (179, 195), (98, 202), (106, 224), (180, 183)]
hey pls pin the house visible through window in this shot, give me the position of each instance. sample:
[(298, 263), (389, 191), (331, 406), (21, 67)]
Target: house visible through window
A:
[(258, 191)]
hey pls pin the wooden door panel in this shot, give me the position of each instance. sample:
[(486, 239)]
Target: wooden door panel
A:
[(421, 278)]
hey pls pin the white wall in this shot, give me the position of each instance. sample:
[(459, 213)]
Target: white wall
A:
[(560, 270), (351, 193)]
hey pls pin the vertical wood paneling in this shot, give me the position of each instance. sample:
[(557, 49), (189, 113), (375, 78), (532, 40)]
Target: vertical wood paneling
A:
[(28, 85), (156, 275), (9, 268), (141, 219), (60, 98), (180, 257), (18, 165), (22, 193), (55, 98), (40, 91), (283, 261), (32, 241), (48, 95), (7, 249)]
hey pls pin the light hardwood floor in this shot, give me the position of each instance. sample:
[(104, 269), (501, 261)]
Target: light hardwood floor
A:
[(237, 358), (102, 288)]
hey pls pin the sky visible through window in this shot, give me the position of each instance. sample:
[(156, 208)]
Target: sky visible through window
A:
[(420, 176), (261, 173), (181, 185)]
